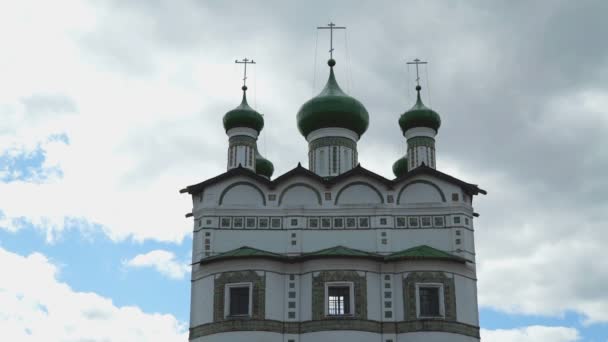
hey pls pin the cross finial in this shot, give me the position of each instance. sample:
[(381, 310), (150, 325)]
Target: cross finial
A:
[(417, 62), (244, 61), (331, 27)]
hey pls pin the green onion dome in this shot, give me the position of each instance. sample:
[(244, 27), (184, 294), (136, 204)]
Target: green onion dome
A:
[(332, 108), (419, 116), (243, 116), (400, 167), (263, 166)]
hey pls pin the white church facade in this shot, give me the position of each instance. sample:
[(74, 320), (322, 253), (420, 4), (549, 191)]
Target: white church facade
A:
[(333, 252)]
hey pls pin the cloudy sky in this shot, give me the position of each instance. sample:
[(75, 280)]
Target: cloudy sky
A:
[(108, 108)]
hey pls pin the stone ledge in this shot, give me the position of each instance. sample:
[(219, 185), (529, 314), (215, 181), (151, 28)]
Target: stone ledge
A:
[(378, 327)]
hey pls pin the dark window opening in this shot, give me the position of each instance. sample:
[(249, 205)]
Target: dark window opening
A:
[(239, 301), (338, 300), (429, 301)]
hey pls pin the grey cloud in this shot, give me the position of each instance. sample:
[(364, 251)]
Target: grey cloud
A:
[(496, 72)]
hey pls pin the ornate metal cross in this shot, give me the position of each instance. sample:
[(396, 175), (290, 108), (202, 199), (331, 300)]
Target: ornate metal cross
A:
[(417, 62), (331, 27), (244, 61)]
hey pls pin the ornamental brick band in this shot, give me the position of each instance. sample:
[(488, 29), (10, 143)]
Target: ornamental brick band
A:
[(409, 293), (240, 140), (332, 141), (377, 327), (258, 301), (318, 292)]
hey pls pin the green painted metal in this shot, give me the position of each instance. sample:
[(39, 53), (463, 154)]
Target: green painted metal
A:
[(423, 252), (263, 166), (332, 108), (244, 116), (419, 116), (341, 251), (419, 252), (400, 167)]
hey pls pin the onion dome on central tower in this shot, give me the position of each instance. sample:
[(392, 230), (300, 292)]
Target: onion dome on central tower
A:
[(332, 123), (332, 108)]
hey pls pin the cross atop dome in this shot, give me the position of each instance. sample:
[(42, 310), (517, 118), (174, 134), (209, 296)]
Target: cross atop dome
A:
[(417, 62), (331, 27), (244, 61)]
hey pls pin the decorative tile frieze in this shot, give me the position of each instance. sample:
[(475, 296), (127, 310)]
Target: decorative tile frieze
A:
[(359, 289), (335, 222), (258, 299), (280, 327), (409, 293)]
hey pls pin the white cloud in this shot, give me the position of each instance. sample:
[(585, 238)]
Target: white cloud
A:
[(162, 261), (535, 333), (36, 306)]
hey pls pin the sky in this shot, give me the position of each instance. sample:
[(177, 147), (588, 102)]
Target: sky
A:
[(108, 108)]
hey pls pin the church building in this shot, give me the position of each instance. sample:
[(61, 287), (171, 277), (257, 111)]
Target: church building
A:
[(333, 251)]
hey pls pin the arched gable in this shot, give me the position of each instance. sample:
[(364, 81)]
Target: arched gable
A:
[(299, 194), (359, 193), (420, 191), (242, 193)]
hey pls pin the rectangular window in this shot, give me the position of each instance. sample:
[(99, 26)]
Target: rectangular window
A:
[(238, 222), (383, 221), (325, 222), (429, 301), (456, 219), (313, 222), (294, 222), (238, 299), (338, 303), (438, 221), (250, 222), (412, 221), (351, 222), (263, 222), (275, 222), (363, 222), (426, 221), (225, 222), (400, 221), (335, 159), (338, 222)]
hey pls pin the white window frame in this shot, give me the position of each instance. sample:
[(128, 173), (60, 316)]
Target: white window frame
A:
[(227, 288), (441, 299), (351, 295)]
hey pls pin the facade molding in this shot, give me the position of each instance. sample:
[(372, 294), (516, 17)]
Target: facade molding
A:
[(420, 181), (225, 191), (359, 183), (303, 185), (378, 327)]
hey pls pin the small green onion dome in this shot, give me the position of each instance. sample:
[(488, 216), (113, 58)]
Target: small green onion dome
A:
[(243, 116), (419, 116), (263, 166), (400, 167), (332, 108)]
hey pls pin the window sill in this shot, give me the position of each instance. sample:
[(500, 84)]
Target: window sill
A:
[(431, 317), (348, 316), (238, 317)]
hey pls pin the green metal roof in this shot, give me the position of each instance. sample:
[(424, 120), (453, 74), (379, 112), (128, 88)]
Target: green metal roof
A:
[(332, 108), (263, 166), (400, 167), (340, 251), (419, 116), (243, 116), (423, 252), (419, 252), (244, 252)]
